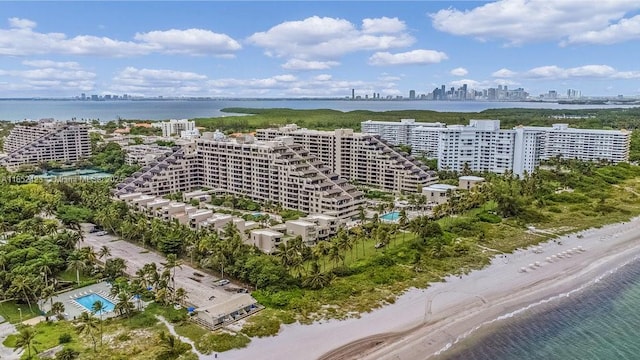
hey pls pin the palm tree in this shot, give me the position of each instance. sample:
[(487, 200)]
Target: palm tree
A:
[(99, 308), (104, 252), (180, 295), (321, 250), (172, 347), (76, 261), (172, 263), (87, 326), (335, 254), (57, 308), (403, 220), (316, 279), (26, 339), (22, 285), (45, 264), (124, 306)]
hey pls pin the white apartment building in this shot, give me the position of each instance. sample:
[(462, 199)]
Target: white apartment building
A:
[(395, 132), (175, 127), (481, 145), (31, 143), (359, 157), (279, 171)]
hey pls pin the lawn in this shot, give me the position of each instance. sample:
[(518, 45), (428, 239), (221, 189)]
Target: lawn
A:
[(9, 311), (70, 275)]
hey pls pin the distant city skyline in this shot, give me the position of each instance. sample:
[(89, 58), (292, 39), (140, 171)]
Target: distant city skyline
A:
[(318, 49)]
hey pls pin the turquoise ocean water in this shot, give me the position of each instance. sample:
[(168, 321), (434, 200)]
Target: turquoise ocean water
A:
[(601, 322)]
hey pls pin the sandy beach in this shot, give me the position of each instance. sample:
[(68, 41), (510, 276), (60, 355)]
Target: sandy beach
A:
[(425, 322)]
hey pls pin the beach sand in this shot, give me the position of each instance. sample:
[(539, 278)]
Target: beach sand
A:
[(424, 322)]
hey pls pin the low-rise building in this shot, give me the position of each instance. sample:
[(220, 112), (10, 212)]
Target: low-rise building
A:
[(266, 240), (438, 193), (469, 182), (174, 127)]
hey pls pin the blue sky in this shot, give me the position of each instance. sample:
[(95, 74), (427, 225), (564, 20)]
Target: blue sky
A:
[(320, 49)]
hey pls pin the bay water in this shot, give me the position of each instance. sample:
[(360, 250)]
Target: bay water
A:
[(18, 110)]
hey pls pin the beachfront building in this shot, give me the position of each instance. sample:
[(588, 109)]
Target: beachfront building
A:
[(175, 127), (480, 146), (267, 240), (483, 146), (32, 143), (469, 182), (438, 194), (361, 158), (395, 132), (313, 228), (279, 171)]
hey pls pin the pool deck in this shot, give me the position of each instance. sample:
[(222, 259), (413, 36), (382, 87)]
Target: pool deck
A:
[(73, 309)]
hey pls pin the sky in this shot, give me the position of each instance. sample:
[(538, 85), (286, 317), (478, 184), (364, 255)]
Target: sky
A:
[(317, 48)]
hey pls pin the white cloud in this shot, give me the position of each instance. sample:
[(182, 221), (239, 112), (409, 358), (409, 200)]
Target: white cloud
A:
[(51, 64), (323, 77), (325, 38), (556, 72), (460, 71), (414, 57), (21, 23), (20, 39), (520, 21), (624, 30), (158, 82), (190, 42), (50, 77), (298, 64), (383, 25), (504, 73), (475, 84)]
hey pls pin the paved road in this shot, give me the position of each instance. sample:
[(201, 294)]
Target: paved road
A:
[(199, 293), (7, 329)]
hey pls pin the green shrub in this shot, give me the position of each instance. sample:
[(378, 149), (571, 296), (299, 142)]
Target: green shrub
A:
[(261, 326), (64, 338), (489, 218), (221, 341)]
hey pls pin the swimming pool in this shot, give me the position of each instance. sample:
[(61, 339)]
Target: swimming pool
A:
[(392, 216), (87, 302)]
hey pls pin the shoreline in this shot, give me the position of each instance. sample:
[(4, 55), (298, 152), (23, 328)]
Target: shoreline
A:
[(424, 322), (507, 295)]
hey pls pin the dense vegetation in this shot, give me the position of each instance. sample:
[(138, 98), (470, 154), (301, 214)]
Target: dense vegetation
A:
[(325, 119)]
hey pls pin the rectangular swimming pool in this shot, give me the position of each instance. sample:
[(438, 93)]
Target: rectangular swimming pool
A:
[(87, 302), (392, 216)]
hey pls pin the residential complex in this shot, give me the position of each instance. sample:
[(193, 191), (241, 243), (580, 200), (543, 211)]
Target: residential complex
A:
[(395, 132), (31, 143), (144, 154), (280, 171), (359, 157), (483, 146), (176, 127)]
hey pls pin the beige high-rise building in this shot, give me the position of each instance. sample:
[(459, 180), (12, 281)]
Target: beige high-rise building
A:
[(279, 171), (31, 143), (358, 157)]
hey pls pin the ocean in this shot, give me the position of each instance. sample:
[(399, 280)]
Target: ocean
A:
[(18, 110), (600, 322)]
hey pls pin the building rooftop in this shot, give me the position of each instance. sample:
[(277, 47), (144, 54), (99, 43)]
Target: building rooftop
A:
[(471, 178)]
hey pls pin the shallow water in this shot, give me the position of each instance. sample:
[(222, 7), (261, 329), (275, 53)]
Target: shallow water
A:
[(599, 322)]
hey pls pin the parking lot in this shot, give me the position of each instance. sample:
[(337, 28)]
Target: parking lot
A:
[(201, 288)]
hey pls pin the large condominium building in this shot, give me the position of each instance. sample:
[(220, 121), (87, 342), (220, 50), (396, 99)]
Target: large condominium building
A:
[(359, 157), (483, 146), (279, 171), (31, 143), (175, 127), (395, 132)]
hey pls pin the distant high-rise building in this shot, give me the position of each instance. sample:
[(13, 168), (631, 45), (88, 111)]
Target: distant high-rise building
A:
[(412, 94), (353, 94), (83, 96)]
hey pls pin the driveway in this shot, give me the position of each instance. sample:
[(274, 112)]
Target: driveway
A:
[(200, 288)]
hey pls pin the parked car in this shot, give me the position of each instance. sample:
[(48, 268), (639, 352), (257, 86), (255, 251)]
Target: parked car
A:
[(222, 282), (379, 245), (101, 233)]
